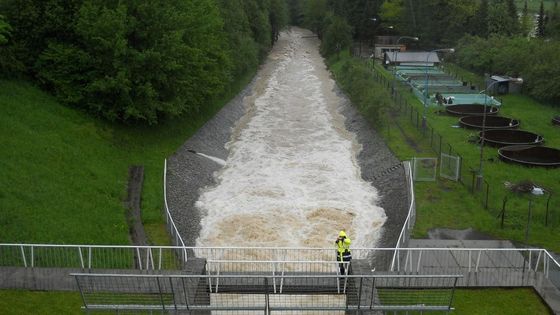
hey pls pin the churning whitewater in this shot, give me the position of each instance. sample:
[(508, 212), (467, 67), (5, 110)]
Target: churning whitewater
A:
[(291, 178)]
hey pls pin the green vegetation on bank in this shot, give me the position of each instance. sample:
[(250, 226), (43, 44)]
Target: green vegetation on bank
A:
[(66, 150), (64, 174), (516, 57), (449, 204), (436, 205), (19, 302)]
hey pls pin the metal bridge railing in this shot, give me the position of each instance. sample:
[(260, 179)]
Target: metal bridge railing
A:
[(118, 292), (173, 257), (408, 225), (277, 269), (92, 256), (500, 266), (171, 227)]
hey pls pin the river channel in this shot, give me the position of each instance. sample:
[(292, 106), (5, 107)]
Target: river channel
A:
[(291, 177)]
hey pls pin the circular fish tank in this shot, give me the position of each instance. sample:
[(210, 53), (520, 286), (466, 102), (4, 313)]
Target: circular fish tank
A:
[(504, 137), (556, 120), (471, 110), (492, 122), (531, 155)]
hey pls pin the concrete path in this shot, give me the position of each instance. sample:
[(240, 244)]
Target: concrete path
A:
[(495, 269)]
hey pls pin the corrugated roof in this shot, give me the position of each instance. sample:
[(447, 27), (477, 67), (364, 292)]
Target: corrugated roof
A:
[(417, 56), (500, 78)]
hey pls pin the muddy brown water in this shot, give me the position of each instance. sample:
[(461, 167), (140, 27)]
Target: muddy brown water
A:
[(301, 164)]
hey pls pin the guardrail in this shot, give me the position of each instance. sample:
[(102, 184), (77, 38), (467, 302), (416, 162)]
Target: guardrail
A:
[(276, 269), (410, 260), (171, 227), (408, 224)]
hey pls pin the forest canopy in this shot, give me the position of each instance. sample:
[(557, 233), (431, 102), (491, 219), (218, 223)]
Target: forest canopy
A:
[(137, 60), (144, 60), (490, 36)]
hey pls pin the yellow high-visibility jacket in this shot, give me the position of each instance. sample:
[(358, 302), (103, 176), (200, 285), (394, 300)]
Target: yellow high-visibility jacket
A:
[(343, 249)]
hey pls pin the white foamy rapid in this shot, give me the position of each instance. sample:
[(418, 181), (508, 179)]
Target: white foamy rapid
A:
[(213, 158), (291, 178)]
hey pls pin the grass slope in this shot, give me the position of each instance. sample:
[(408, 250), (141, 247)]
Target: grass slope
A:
[(63, 174)]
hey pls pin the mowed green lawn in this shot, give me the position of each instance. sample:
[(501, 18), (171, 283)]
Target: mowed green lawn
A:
[(471, 302), (534, 117), (63, 174)]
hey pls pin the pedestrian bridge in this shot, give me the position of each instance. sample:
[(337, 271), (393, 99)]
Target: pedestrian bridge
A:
[(294, 292)]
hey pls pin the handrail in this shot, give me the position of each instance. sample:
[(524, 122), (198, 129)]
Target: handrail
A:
[(368, 276), (278, 261), (411, 211), (273, 248), (552, 258), (168, 216)]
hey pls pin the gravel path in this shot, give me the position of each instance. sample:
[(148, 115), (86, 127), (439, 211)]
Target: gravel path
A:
[(189, 173)]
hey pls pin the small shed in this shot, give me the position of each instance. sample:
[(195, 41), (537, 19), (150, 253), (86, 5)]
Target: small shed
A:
[(502, 84), (381, 49), (411, 58)]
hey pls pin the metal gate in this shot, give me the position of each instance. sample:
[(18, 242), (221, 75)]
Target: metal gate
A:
[(450, 167), (424, 169)]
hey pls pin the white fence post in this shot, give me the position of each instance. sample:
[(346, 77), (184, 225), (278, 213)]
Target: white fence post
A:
[(23, 256), (81, 257)]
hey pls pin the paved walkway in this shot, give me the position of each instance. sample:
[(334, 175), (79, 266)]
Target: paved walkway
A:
[(495, 269)]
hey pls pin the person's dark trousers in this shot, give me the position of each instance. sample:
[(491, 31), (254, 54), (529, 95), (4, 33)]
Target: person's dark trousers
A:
[(342, 269)]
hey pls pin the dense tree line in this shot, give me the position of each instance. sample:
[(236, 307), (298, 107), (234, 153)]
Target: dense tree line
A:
[(137, 60), (535, 60), (338, 23), (491, 36)]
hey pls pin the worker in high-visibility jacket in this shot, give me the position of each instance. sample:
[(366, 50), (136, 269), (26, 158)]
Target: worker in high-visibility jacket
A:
[(343, 253)]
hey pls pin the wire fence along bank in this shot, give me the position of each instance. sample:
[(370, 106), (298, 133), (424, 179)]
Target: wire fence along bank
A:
[(491, 197), (257, 294)]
